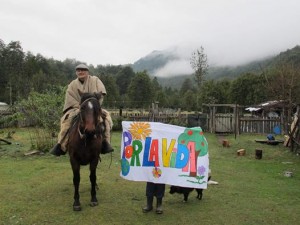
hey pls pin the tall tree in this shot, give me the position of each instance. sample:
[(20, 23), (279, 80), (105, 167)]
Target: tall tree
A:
[(188, 101), (3, 74), (208, 92), (214, 91), (200, 66), (173, 98), (13, 62), (248, 89), (283, 83), (187, 85), (140, 90), (161, 98), (112, 91), (156, 89), (123, 79)]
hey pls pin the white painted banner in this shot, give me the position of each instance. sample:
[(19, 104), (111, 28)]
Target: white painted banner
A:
[(163, 153)]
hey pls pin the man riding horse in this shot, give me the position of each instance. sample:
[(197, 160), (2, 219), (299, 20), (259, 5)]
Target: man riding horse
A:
[(84, 83)]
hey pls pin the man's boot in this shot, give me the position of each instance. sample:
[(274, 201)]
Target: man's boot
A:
[(106, 147), (159, 209), (149, 205), (57, 151)]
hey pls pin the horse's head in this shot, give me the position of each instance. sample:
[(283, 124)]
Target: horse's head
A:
[(90, 110)]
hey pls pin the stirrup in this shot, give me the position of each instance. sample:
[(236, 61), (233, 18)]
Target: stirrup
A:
[(106, 148), (57, 151)]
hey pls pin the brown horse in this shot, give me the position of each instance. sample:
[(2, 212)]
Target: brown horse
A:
[(85, 143)]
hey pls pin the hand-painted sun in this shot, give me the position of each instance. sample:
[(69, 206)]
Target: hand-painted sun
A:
[(140, 130)]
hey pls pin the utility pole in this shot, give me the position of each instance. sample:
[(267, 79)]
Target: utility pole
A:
[(10, 95)]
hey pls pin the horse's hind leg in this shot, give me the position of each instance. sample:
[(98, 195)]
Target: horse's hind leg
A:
[(76, 181), (94, 200)]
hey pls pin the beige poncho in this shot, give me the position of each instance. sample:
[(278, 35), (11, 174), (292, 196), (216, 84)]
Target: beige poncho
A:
[(91, 84)]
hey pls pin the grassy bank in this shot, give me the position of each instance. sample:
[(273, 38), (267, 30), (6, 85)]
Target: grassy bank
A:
[(38, 189)]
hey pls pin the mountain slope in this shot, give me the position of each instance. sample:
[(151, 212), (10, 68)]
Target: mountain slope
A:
[(154, 61), (158, 60)]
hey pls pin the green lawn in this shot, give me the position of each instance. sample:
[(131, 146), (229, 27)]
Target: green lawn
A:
[(38, 189)]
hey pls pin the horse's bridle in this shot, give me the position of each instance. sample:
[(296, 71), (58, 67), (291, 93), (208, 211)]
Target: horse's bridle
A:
[(83, 135)]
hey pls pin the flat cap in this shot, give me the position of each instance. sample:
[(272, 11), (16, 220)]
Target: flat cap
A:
[(82, 66)]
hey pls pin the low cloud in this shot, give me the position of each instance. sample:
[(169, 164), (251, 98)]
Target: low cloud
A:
[(173, 68)]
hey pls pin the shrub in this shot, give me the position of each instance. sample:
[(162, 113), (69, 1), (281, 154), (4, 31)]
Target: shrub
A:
[(42, 110)]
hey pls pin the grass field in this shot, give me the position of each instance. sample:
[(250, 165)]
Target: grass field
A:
[(38, 189)]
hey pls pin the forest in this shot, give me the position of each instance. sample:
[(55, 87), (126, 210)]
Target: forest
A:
[(23, 74)]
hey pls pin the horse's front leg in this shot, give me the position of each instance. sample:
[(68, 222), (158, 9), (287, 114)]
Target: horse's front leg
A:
[(76, 181), (93, 178)]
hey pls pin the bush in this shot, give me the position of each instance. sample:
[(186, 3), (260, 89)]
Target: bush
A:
[(9, 120), (117, 123), (42, 110)]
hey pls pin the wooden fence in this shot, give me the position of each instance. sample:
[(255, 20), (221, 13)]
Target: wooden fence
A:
[(259, 125), (222, 124)]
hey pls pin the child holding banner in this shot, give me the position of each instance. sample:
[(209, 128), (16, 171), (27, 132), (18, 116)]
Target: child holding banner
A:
[(157, 190)]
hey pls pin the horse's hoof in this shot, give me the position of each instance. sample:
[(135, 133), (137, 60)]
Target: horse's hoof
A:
[(76, 208), (92, 204)]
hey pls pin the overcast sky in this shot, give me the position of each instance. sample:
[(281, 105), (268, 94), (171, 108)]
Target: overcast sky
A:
[(122, 31)]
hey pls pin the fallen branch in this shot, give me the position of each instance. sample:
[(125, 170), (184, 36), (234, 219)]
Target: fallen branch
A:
[(7, 142)]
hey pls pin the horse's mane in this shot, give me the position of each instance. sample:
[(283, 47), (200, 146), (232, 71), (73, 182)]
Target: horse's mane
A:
[(85, 96), (93, 96), (75, 120)]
